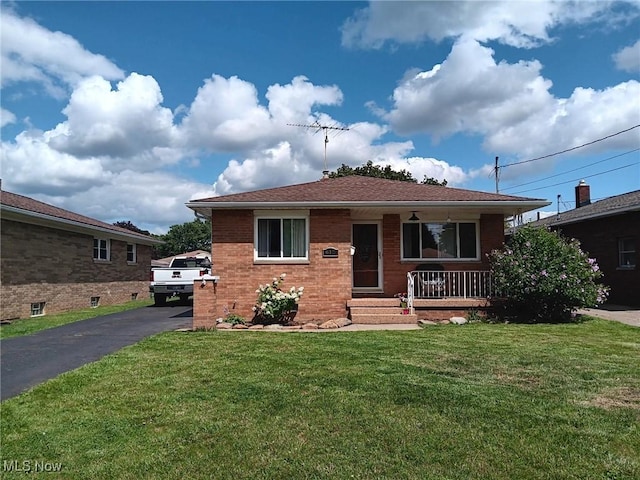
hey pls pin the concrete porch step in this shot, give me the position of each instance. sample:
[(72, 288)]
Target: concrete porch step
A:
[(383, 318), (376, 310)]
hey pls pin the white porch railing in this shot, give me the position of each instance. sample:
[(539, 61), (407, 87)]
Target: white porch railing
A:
[(448, 284)]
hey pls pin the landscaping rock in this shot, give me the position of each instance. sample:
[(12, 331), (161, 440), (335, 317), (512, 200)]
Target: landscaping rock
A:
[(426, 322), (458, 320), (224, 326), (240, 326), (275, 326), (342, 322), (328, 324), (256, 327), (310, 326)]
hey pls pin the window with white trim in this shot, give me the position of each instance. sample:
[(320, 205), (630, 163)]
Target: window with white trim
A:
[(627, 252), (101, 249), (281, 238), (440, 240), (131, 253), (37, 309)]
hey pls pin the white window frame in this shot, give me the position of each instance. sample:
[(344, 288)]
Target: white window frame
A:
[(281, 215), (134, 251), (37, 309), (107, 248), (621, 252), (441, 259)]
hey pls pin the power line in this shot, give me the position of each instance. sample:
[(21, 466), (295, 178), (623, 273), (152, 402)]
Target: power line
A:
[(576, 179), (573, 170), (570, 149)]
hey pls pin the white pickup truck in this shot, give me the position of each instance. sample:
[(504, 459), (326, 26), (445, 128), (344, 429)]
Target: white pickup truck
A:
[(177, 278)]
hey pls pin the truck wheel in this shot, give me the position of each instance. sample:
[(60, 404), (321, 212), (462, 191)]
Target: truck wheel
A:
[(160, 299)]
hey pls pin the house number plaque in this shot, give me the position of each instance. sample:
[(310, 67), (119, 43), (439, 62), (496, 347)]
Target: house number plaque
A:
[(330, 252)]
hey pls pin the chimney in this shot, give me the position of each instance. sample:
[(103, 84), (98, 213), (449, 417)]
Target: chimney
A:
[(325, 174), (583, 194)]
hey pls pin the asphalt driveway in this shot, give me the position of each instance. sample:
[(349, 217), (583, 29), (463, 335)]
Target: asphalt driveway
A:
[(30, 360)]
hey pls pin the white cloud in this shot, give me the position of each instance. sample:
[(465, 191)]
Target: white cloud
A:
[(468, 92), (510, 105), (30, 165), (30, 52), (125, 123), (293, 103), (226, 116), (6, 117), (628, 59), (520, 24)]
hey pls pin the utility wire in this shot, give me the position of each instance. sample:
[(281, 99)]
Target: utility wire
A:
[(569, 171), (576, 179), (570, 149)]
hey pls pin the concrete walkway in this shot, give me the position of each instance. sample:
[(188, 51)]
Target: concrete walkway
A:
[(617, 313)]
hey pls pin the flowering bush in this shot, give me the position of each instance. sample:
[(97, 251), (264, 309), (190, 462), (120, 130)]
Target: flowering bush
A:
[(403, 299), (544, 277), (273, 302)]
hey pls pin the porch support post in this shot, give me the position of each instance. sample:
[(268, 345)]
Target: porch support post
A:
[(205, 302)]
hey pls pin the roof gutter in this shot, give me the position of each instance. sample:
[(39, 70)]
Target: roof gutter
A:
[(525, 204)]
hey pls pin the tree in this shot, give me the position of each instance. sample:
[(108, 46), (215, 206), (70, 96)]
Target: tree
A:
[(544, 277), (371, 170), (130, 226), (185, 237)]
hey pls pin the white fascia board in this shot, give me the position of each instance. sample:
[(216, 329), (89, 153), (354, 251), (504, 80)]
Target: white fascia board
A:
[(523, 206), (27, 216)]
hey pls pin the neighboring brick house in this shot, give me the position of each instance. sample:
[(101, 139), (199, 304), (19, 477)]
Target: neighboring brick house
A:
[(54, 260), (309, 232), (609, 231)]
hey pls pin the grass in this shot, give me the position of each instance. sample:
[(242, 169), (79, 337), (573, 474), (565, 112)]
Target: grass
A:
[(27, 326), (447, 402)]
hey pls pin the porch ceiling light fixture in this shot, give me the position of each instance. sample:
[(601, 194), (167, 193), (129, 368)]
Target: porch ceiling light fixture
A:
[(413, 217)]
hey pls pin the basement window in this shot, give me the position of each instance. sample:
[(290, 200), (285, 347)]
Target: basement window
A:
[(627, 253), (37, 309), (134, 296), (95, 302)]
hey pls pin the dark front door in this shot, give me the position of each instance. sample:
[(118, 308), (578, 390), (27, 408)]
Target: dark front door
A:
[(366, 259)]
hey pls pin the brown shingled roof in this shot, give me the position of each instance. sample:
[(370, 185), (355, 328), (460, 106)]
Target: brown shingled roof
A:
[(29, 205), (626, 202), (362, 189)]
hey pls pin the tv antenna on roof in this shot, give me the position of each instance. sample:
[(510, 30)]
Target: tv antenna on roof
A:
[(325, 129)]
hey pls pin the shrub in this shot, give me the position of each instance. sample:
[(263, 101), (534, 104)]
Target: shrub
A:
[(234, 319), (273, 302), (544, 277)]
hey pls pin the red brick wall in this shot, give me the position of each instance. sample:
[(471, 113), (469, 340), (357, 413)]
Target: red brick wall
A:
[(326, 281), (599, 238), (41, 264)]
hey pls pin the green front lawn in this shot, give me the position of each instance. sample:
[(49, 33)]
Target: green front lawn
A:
[(26, 326), (477, 401)]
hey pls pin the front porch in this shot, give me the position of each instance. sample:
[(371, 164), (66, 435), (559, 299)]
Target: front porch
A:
[(432, 294), (376, 311)]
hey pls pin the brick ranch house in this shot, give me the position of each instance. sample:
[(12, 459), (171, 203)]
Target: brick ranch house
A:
[(351, 242), (54, 260), (609, 231)]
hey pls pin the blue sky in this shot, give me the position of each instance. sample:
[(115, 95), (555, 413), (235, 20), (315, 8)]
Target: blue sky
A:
[(127, 110)]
